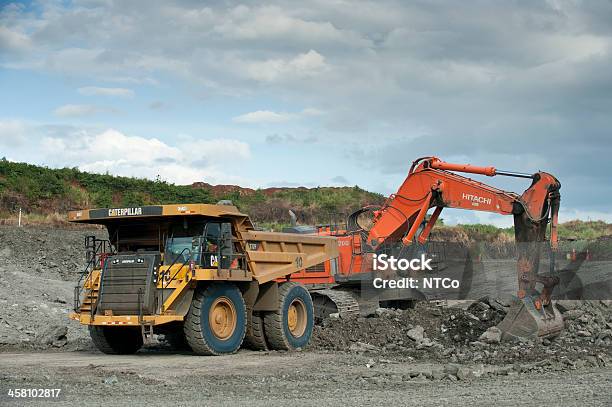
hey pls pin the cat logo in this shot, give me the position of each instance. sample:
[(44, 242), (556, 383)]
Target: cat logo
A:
[(214, 261)]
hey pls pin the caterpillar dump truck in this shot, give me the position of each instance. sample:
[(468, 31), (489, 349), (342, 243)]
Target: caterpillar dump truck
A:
[(199, 274)]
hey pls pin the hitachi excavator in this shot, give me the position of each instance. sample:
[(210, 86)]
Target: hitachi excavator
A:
[(402, 220)]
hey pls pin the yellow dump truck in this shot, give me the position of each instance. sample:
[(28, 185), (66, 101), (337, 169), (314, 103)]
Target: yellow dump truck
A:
[(199, 274)]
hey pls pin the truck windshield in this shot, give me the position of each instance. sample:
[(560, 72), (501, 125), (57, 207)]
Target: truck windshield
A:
[(176, 245)]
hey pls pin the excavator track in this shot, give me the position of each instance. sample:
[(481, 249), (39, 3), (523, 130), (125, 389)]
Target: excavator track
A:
[(330, 301)]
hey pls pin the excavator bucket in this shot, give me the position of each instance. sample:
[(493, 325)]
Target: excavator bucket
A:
[(525, 321), (534, 315)]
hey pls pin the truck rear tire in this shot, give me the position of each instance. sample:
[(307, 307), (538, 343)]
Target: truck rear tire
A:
[(216, 321), (290, 326), (116, 340), (255, 338)]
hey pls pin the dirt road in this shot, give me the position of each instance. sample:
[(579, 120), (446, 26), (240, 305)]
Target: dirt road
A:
[(302, 378)]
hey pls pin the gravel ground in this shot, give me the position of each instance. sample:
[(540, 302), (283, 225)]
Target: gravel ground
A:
[(427, 356), (298, 378)]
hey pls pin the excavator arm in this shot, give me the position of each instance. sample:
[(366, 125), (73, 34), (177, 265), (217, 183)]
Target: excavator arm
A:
[(431, 184)]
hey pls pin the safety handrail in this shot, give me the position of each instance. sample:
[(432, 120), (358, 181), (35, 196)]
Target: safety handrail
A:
[(78, 288), (101, 291), (99, 247)]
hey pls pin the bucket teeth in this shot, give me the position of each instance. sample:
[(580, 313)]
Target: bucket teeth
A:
[(525, 321)]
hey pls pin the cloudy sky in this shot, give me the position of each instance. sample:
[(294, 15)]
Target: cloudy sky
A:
[(323, 92)]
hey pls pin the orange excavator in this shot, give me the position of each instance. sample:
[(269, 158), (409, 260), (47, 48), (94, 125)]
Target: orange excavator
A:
[(402, 221)]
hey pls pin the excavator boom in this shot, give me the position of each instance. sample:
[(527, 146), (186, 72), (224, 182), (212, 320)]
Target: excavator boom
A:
[(431, 184)]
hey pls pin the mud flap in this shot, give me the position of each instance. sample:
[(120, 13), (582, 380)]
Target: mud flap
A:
[(525, 321)]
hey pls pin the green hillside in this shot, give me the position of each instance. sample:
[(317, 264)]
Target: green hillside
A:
[(45, 191), (45, 195)]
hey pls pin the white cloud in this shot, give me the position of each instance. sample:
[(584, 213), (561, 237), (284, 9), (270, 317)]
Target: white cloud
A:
[(263, 116), (13, 40), (117, 153), (114, 146), (268, 116), (200, 160), (99, 91), (290, 139), (218, 150), (12, 132), (311, 111), (77, 110), (301, 66), (308, 63), (270, 23)]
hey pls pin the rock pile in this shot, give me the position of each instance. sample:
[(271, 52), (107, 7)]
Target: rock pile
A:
[(470, 337)]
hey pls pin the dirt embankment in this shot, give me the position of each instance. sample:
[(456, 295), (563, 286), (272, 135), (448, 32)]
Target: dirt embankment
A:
[(38, 269)]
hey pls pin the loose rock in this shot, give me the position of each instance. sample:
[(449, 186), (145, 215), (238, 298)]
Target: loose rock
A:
[(55, 336), (491, 335), (417, 333)]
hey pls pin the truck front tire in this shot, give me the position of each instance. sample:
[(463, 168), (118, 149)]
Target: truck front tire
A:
[(216, 321), (116, 340)]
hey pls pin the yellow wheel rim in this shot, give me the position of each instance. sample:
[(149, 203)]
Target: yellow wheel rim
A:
[(222, 318), (297, 318)]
